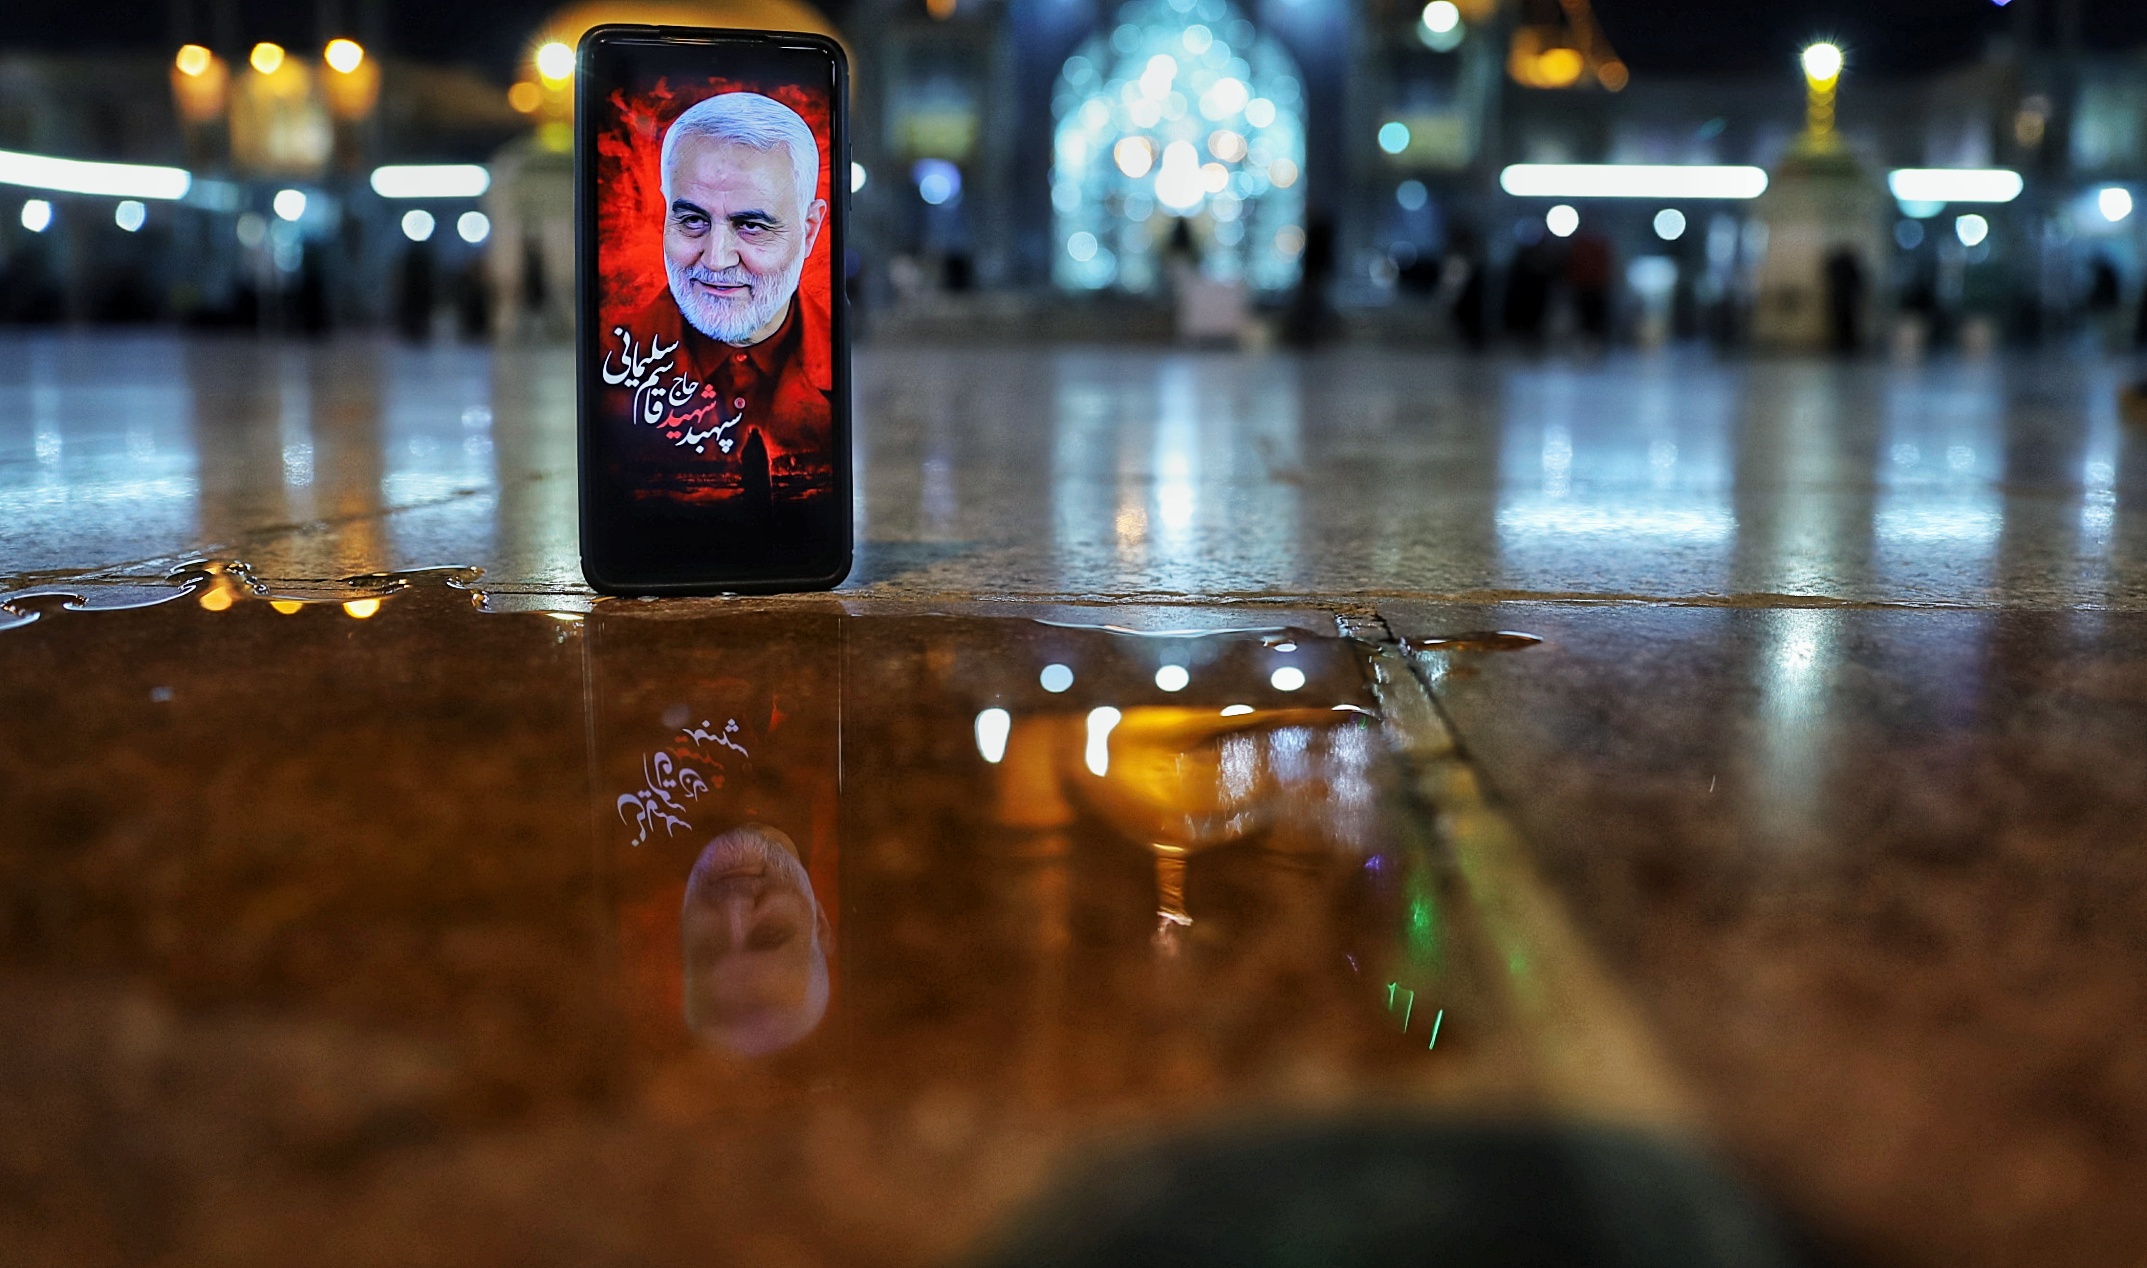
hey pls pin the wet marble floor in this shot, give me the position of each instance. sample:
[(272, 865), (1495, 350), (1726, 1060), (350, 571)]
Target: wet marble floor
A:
[(1089, 863)]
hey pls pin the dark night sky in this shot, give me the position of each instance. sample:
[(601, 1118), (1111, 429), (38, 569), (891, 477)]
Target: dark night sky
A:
[(1659, 36), (1881, 36)]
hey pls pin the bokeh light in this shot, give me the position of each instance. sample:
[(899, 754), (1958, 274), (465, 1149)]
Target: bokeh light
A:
[(938, 181), (1183, 112), (555, 62), (343, 56), (1134, 156), (1822, 62)]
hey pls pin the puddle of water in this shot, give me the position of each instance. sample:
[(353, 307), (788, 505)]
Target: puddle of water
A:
[(852, 924), (1474, 641)]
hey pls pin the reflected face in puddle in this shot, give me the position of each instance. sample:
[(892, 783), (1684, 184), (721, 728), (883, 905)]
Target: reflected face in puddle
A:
[(755, 944)]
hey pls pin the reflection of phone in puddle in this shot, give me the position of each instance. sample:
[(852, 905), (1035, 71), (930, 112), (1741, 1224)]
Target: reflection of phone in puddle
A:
[(715, 753)]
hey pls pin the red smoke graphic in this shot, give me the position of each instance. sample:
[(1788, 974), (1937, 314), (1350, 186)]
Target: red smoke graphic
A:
[(629, 192)]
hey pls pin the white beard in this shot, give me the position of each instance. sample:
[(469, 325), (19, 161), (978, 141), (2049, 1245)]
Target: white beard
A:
[(729, 320)]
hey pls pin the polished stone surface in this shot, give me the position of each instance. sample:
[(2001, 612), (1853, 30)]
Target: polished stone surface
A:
[(1829, 749), (1135, 474), (1879, 877)]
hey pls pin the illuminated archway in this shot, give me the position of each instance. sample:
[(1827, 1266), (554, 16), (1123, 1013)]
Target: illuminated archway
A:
[(1182, 112)]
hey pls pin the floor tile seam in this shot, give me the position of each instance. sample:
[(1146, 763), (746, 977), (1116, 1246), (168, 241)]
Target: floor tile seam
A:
[(1369, 598), (127, 573), (1597, 1055), (1760, 601)]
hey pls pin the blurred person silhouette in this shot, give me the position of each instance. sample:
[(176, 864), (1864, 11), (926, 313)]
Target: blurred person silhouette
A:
[(473, 298), (958, 272), (1416, 272), (1528, 288), (536, 289), (755, 944), (1589, 272), (1179, 249), (1205, 309), (1589, 275), (1461, 284), (755, 483), (1180, 257), (1311, 319), (2103, 285), (310, 303), (414, 293), (1844, 299), (29, 286)]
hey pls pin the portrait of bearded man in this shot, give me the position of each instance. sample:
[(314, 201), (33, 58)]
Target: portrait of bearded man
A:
[(744, 390)]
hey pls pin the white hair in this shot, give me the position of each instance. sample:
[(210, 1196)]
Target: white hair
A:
[(748, 119)]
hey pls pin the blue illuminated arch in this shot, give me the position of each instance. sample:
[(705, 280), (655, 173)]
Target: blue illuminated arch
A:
[(1180, 111)]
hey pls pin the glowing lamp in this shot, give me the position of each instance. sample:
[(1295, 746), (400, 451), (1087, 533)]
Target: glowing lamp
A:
[(266, 58), (1822, 63), (353, 85), (555, 62), (199, 84), (1559, 67), (343, 56)]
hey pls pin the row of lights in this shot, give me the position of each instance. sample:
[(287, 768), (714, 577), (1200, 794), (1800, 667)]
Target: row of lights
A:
[(141, 181), (200, 81), (1057, 678), (342, 56), (1563, 220), (289, 205), (995, 725), (220, 599)]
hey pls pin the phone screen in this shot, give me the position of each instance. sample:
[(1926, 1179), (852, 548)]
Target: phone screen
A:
[(713, 376)]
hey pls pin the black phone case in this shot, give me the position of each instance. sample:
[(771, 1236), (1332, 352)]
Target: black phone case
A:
[(585, 325)]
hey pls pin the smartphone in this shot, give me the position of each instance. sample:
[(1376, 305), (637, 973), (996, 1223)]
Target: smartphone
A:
[(711, 173)]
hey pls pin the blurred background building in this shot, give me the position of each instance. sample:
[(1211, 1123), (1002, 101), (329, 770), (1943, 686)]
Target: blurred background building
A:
[(1459, 171)]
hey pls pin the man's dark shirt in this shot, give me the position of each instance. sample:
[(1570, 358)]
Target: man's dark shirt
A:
[(689, 405)]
